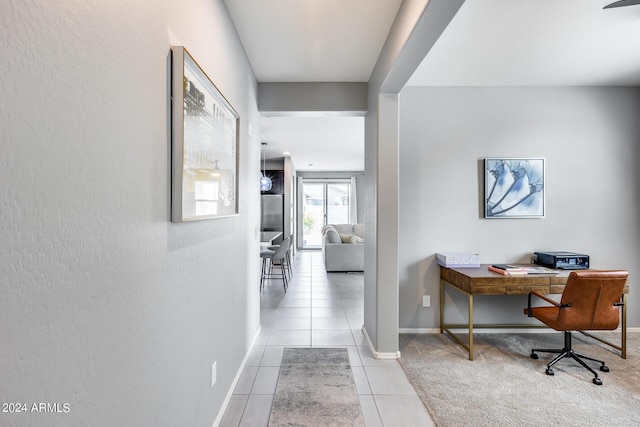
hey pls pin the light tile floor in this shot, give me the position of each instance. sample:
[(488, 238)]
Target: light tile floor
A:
[(321, 309)]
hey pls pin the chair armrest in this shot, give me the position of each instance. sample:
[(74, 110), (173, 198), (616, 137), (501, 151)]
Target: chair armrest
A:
[(544, 297)]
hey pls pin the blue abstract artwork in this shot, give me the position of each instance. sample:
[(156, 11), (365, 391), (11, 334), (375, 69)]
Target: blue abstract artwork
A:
[(514, 188)]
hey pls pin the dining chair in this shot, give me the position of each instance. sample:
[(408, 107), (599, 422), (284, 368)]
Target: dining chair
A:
[(287, 258), (269, 259)]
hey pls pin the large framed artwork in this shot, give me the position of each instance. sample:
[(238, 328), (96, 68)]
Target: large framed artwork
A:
[(514, 188), (204, 164)]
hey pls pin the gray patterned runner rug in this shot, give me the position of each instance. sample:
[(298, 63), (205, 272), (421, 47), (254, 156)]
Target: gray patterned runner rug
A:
[(316, 388)]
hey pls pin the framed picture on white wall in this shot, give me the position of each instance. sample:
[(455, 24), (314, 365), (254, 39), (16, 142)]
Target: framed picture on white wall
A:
[(514, 188), (204, 163)]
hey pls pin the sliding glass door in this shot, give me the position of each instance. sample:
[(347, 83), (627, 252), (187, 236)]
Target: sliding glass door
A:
[(324, 202)]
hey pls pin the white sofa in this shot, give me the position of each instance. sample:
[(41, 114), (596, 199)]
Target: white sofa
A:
[(343, 247)]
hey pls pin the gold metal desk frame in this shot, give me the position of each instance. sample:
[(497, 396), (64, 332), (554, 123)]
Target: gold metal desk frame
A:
[(481, 281)]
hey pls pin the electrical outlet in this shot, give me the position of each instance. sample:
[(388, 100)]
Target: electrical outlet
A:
[(213, 374), (426, 300)]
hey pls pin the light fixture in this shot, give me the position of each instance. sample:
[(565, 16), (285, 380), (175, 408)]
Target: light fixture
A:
[(265, 181), (216, 169)]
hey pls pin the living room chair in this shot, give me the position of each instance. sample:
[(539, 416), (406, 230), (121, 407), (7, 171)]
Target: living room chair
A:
[(590, 301)]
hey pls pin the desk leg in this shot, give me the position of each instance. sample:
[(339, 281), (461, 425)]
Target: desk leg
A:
[(623, 339), (623, 350), (470, 326), (447, 328), (441, 306)]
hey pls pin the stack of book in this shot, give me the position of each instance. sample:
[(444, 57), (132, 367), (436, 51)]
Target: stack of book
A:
[(508, 270), (520, 270)]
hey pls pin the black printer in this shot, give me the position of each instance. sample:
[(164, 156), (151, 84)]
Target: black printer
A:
[(561, 260)]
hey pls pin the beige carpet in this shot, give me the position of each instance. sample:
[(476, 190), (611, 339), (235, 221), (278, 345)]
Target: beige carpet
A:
[(503, 386)]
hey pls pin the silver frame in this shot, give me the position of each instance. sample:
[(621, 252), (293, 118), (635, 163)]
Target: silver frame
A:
[(213, 145), (488, 187)]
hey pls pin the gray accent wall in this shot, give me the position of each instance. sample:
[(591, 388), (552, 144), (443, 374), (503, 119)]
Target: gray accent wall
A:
[(336, 98), (104, 303), (590, 138)]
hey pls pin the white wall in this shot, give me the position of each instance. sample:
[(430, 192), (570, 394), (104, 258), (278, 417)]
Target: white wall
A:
[(415, 30), (589, 138), (105, 304)]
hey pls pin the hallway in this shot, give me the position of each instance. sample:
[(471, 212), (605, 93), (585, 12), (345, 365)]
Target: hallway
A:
[(321, 310)]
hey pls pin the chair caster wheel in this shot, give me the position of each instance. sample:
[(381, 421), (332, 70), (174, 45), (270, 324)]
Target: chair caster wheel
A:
[(549, 371), (597, 381), (534, 356), (604, 368)]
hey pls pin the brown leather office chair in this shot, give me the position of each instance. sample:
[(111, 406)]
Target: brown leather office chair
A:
[(590, 301)]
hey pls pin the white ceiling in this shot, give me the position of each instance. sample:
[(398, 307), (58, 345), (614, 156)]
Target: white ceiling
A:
[(489, 42), (313, 40), (536, 43), (316, 143)]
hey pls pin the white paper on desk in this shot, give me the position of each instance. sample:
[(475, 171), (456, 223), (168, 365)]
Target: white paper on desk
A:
[(540, 270)]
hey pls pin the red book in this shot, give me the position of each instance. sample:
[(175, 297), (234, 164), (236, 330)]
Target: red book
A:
[(507, 271)]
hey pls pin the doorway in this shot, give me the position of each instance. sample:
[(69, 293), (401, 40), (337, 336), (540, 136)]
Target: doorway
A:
[(324, 202)]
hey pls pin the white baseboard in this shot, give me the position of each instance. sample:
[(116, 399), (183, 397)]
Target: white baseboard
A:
[(493, 330), (376, 354), (476, 330), (227, 399), (419, 330)]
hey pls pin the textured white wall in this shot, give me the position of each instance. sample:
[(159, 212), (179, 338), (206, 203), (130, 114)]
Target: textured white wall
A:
[(589, 138), (105, 304)]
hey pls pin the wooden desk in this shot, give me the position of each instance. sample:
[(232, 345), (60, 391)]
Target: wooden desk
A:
[(481, 281)]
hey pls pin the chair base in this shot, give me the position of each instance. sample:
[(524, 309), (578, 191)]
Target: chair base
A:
[(267, 273), (567, 352)]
